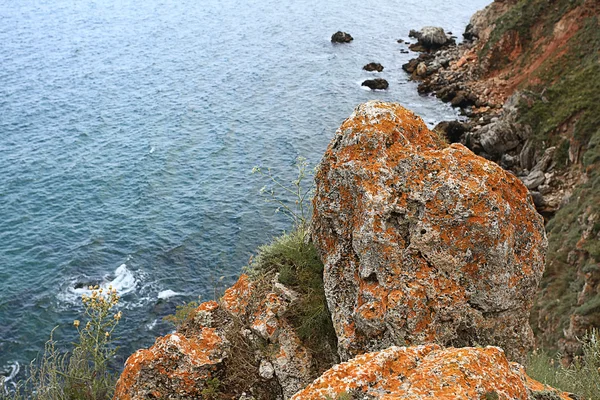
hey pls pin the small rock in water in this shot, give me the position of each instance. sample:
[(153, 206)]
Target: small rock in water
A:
[(341, 37), (373, 67), (376, 84)]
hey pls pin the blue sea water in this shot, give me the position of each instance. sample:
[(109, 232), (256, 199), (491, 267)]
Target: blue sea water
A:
[(128, 131)]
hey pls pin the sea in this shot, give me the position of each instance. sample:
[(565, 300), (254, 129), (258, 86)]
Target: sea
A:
[(129, 131)]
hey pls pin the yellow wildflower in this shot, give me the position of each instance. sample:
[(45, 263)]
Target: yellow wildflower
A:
[(76, 323)]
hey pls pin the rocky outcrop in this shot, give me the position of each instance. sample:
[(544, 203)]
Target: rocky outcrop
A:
[(376, 84), (373, 67), (341, 37), (430, 38), (429, 372), (423, 242), (242, 344)]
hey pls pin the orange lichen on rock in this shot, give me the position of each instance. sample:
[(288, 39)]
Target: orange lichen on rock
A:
[(396, 210), (265, 320), (175, 364), (236, 298), (241, 331), (428, 372)]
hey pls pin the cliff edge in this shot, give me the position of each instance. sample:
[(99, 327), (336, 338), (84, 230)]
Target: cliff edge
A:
[(422, 242)]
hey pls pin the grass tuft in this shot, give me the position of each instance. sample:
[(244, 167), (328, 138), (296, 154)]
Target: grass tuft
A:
[(582, 377), (299, 266)]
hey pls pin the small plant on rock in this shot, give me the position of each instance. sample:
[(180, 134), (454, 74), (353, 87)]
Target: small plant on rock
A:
[(299, 208)]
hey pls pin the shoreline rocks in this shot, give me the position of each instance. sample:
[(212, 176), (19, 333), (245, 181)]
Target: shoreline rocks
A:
[(430, 38)]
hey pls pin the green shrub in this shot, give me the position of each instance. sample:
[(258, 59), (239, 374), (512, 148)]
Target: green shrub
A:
[(300, 268), (582, 377)]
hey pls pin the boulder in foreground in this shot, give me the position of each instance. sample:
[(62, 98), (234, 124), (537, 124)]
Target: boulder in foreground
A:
[(429, 372), (242, 344), (423, 242)]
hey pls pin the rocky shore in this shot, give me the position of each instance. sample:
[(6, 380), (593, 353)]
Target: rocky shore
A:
[(422, 274), (422, 244)]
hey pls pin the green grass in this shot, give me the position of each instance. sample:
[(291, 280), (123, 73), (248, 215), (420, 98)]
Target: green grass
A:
[(300, 268), (582, 377)]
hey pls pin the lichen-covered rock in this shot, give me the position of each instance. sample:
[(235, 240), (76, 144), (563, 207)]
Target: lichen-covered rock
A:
[(429, 372), (422, 241), (175, 367), (243, 342)]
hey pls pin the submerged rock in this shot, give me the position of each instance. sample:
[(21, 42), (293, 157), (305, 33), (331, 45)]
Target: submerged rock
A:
[(430, 372), (376, 84), (341, 37), (423, 242), (373, 67)]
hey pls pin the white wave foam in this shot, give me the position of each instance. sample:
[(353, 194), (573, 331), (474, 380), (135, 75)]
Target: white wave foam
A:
[(151, 325), (122, 280), (151, 149), (165, 294), (5, 380)]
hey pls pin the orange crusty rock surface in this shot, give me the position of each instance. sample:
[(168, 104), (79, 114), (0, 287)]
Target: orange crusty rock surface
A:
[(423, 241), (428, 372), (244, 343)]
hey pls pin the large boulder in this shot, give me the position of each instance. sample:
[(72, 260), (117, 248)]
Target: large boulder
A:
[(423, 242), (429, 372)]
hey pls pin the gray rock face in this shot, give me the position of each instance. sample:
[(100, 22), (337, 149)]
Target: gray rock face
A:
[(422, 242), (534, 179), (431, 37), (499, 137)]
